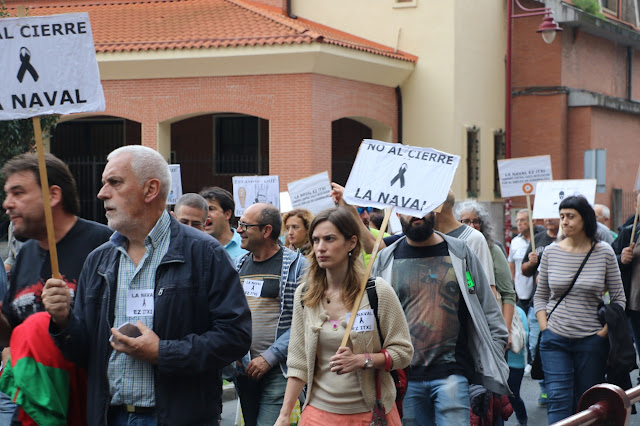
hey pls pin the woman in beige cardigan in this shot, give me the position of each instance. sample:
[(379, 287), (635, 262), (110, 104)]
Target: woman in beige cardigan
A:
[(341, 381)]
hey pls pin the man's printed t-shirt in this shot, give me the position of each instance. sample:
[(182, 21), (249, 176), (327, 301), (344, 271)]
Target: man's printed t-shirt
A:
[(542, 240), (426, 284), (261, 283), (33, 268)]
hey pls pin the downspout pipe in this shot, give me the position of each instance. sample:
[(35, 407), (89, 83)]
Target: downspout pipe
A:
[(286, 9), (399, 112), (630, 73)]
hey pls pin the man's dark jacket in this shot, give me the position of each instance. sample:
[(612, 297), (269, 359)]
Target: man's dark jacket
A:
[(201, 316), (623, 240)]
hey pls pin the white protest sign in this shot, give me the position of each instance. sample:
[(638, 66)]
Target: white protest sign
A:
[(518, 176), (312, 193), (550, 194), (48, 66), (414, 180), (637, 187), (176, 184), (285, 202), (248, 190)]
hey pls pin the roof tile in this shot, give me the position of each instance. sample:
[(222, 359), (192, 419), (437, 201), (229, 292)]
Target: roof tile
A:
[(146, 25)]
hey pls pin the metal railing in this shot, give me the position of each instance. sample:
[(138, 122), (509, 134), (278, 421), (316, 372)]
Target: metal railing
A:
[(604, 404)]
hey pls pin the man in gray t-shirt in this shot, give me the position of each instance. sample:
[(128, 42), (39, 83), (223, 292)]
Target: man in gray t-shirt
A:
[(269, 274)]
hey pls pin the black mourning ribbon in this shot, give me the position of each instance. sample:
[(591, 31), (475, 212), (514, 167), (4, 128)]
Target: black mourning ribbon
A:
[(25, 58), (400, 175)]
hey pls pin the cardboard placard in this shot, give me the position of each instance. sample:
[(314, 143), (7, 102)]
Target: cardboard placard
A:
[(413, 180), (176, 184), (312, 193), (519, 176), (549, 195), (248, 190), (285, 202), (48, 66)]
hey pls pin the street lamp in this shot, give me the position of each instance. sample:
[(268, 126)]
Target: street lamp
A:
[(548, 28)]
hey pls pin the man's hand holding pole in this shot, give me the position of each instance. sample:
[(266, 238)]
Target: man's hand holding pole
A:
[(56, 299)]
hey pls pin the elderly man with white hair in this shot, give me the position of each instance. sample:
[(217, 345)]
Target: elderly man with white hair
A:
[(603, 215), (159, 308)]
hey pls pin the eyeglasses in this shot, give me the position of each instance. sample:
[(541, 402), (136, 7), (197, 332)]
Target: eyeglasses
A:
[(471, 221), (244, 226), (362, 209)]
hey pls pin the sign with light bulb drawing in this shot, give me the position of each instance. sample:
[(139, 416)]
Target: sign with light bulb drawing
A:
[(248, 190)]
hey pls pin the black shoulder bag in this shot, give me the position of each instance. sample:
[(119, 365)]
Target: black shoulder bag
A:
[(536, 365)]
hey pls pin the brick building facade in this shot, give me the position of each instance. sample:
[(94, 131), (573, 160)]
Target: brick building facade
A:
[(580, 93)]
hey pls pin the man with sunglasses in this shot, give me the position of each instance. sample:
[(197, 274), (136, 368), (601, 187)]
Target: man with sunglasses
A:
[(270, 275)]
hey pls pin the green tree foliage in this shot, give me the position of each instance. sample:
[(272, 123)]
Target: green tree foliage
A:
[(589, 6)]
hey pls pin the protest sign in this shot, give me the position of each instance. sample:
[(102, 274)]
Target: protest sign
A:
[(48, 64), (518, 176), (248, 190), (312, 193), (54, 64), (549, 195), (176, 184), (414, 180), (637, 187), (285, 202)]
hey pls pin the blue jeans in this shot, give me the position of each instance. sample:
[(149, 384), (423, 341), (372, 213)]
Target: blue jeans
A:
[(571, 367), (515, 380), (441, 402), (534, 331), (262, 399), (7, 409), (119, 417)]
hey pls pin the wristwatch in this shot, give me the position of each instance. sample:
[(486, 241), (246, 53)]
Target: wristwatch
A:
[(368, 361)]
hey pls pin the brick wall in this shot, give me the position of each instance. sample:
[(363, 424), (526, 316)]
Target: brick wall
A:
[(299, 107)]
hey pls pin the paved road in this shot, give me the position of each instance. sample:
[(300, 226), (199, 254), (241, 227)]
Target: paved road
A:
[(529, 391)]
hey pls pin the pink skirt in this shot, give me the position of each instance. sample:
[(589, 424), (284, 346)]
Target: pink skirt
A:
[(312, 416)]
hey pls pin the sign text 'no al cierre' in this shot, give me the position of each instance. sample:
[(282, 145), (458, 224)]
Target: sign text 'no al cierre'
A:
[(412, 179), (519, 176), (48, 66)]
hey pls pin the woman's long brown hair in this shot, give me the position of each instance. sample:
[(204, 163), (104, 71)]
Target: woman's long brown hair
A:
[(316, 277)]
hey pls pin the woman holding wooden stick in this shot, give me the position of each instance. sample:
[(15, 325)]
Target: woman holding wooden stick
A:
[(341, 380)]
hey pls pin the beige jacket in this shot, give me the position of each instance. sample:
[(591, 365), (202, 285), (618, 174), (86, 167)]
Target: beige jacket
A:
[(305, 330)]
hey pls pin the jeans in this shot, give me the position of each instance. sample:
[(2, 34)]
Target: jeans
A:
[(120, 417), (571, 367), (7, 409), (262, 399), (515, 380), (534, 331), (441, 402)]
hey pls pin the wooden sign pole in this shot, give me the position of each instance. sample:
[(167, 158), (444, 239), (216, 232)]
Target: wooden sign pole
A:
[(46, 199), (365, 277), (531, 228)]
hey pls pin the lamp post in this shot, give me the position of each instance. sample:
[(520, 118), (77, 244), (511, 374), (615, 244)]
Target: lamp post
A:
[(548, 29)]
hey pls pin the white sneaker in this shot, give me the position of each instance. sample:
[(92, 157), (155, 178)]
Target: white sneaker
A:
[(527, 370)]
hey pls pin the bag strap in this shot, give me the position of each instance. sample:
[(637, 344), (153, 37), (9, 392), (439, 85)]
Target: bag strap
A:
[(372, 294), (575, 277)]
